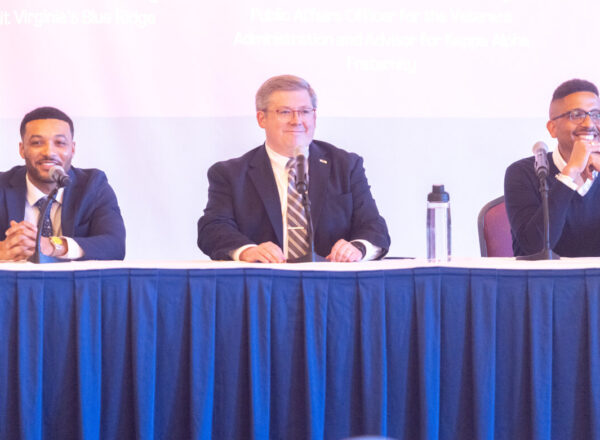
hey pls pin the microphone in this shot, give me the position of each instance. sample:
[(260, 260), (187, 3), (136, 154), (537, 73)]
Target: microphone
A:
[(300, 154), (57, 173), (540, 151), (301, 184)]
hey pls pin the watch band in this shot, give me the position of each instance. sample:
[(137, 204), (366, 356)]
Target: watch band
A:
[(360, 246), (59, 245)]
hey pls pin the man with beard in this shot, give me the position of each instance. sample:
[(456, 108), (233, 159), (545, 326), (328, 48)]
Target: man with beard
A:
[(574, 194), (253, 212), (84, 219)]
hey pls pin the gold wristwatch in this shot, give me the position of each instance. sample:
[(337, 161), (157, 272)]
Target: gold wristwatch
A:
[(59, 245)]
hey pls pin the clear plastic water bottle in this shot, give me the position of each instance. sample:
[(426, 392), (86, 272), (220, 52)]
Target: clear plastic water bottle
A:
[(438, 224)]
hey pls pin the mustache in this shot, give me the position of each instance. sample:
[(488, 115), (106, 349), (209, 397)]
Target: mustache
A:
[(55, 159), (586, 131)]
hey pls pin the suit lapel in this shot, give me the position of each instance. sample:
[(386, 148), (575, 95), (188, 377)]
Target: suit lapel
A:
[(261, 174), (15, 196), (67, 213), (319, 168)]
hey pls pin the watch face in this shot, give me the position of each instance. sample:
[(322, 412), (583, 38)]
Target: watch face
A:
[(56, 241)]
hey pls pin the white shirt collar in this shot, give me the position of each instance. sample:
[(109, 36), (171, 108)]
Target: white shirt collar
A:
[(558, 160), (279, 159), (34, 193)]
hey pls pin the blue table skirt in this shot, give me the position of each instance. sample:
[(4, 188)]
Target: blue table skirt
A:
[(420, 353)]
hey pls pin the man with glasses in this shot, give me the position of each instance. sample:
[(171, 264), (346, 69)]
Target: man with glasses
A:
[(573, 194), (253, 213)]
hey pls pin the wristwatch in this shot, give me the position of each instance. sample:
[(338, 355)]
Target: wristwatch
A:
[(59, 245), (360, 246)]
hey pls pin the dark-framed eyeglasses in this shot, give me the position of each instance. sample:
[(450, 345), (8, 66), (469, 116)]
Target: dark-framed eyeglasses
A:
[(579, 115), (286, 114)]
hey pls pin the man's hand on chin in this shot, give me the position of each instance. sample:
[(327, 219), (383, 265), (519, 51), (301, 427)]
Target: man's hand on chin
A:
[(581, 163), (592, 165)]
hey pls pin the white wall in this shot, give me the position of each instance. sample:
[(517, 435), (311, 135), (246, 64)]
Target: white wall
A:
[(431, 93)]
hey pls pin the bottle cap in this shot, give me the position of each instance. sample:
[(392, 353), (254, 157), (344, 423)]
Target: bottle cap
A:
[(438, 194)]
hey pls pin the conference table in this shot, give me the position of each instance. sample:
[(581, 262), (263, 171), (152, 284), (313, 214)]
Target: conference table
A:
[(469, 349)]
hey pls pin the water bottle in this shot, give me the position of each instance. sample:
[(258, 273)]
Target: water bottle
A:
[(438, 224)]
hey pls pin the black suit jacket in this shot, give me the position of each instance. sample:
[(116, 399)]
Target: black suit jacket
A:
[(90, 213), (243, 203)]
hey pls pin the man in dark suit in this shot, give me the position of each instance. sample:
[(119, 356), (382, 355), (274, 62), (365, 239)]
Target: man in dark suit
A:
[(85, 220), (246, 217)]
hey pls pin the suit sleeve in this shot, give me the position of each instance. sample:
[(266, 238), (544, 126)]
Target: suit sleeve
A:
[(524, 207), (367, 224), (104, 238), (218, 232)]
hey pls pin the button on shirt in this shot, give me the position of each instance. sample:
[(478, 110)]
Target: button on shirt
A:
[(32, 215)]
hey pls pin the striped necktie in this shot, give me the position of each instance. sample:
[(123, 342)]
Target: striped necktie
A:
[(47, 225), (296, 217)]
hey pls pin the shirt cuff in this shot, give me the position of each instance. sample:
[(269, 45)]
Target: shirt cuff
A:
[(235, 254), (582, 189), (74, 251), (567, 180), (372, 251)]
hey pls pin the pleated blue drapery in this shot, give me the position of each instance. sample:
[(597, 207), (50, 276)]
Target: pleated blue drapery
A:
[(421, 353)]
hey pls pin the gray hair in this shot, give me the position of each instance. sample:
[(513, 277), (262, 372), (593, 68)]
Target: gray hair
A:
[(282, 82)]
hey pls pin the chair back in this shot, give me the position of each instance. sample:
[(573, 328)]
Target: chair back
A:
[(495, 239)]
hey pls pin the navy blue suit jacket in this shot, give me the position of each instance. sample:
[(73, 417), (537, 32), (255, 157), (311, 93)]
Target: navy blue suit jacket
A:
[(243, 203), (90, 213)]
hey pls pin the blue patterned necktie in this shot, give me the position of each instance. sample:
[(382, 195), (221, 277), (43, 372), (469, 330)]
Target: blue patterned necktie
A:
[(296, 217), (47, 225)]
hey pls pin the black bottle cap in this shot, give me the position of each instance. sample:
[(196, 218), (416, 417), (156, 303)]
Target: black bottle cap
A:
[(438, 194)]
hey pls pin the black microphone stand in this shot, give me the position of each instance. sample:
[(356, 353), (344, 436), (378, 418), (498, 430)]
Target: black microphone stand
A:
[(38, 256), (311, 256), (546, 253)]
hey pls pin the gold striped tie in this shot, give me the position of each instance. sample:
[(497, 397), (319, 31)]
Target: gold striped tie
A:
[(296, 216)]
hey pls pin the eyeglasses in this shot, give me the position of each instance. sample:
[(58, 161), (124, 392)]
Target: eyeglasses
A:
[(579, 116), (287, 114)]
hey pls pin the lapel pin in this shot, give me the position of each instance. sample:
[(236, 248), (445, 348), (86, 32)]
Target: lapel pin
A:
[(323, 161)]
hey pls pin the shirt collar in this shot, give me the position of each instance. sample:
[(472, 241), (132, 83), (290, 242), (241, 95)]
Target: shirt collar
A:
[(558, 160), (34, 193), (279, 159)]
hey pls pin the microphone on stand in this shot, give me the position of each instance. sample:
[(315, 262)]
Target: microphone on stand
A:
[(57, 173), (301, 184), (302, 188), (62, 179), (540, 152)]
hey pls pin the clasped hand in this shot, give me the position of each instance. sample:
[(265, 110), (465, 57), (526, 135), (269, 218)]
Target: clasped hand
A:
[(19, 243)]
